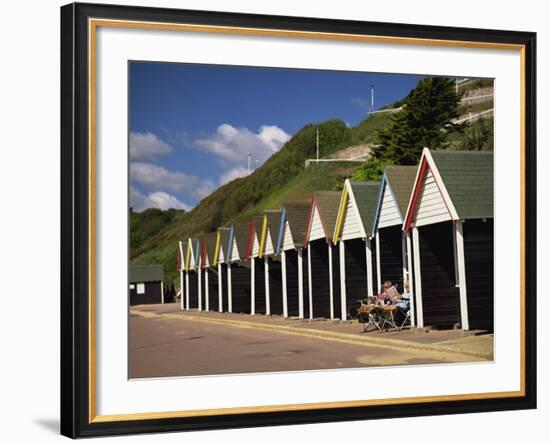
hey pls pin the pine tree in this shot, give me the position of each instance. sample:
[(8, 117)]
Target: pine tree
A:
[(424, 121)]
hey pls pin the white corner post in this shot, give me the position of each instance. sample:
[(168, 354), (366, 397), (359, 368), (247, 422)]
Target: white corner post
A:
[(461, 274), (368, 253), (410, 278), (199, 290), (206, 289), (162, 291), (182, 306), (330, 281), (417, 278), (283, 277), (229, 289), (309, 283), (300, 285), (343, 301), (220, 288), (253, 286), (378, 265), (187, 290), (266, 281)]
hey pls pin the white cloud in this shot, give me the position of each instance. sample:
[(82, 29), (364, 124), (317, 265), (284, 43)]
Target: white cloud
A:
[(156, 177), (146, 146), (232, 144), (159, 200), (232, 174)]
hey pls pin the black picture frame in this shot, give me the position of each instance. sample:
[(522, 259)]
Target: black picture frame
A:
[(75, 220)]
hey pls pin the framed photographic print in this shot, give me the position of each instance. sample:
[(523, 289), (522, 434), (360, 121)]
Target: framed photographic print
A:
[(279, 220)]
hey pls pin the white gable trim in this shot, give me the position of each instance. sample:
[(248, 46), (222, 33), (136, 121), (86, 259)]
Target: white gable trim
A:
[(288, 241), (268, 248), (352, 204), (255, 246), (389, 215), (316, 229), (235, 251)]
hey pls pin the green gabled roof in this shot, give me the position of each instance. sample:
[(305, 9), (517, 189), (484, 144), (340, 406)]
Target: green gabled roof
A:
[(241, 232), (401, 180), (258, 221), (468, 178), (273, 220), (296, 213), (224, 239), (328, 203), (366, 197), (144, 273), (210, 246)]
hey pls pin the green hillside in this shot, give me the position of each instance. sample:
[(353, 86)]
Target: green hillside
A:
[(281, 177)]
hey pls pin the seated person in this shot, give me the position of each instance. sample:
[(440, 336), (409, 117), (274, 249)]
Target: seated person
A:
[(389, 294), (404, 300)]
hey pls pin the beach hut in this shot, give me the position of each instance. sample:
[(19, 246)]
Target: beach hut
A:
[(238, 269), (322, 259), (272, 262), (353, 234), (450, 214), (181, 260), (290, 245), (146, 284), (392, 245), (222, 242), (191, 257), (210, 272), (257, 272)]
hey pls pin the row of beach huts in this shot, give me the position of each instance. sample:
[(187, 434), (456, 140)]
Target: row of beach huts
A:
[(429, 226)]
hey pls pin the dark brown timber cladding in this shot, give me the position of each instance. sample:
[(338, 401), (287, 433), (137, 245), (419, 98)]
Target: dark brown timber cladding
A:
[(306, 284), (356, 272), (240, 285), (336, 281), (152, 293), (193, 290), (479, 261), (292, 282), (275, 287), (391, 256), (203, 290), (213, 299), (225, 295), (259, 300), (320, 280), (440, 296)]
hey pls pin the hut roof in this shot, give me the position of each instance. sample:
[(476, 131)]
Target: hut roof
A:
[(366, 198), (327, 203), (296, 213), (401, 181), (273, 221), (210, 245), (468, 178), (242, 233), (224, 233), (146, 273)]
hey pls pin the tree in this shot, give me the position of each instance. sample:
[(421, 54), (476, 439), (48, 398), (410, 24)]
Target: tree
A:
[(426, 120), (371, 170)]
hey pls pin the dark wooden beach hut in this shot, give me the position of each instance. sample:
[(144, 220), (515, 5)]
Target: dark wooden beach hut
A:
[(257, 272), (222, 243), (451, 217), (191, 252), (290, 245), (272, 262), (322, 258), (146, 284), (238, 269), (210, 272), (353, 234), (393, 246)]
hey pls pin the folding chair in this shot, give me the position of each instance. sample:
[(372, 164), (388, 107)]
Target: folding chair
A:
[(406, 318), (387, 314)]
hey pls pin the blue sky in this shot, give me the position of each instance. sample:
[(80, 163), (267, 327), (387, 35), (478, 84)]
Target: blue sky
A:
[(191, 126)]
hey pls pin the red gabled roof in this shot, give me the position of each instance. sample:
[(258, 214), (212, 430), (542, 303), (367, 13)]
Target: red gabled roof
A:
[(411, 211)]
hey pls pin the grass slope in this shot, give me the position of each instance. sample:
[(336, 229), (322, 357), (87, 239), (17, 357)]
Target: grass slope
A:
[(282, 177)]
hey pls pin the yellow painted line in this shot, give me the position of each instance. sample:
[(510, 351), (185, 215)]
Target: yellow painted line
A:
[(188, 255), (341, 213), (263, 236), (346, 338), (217, 248)]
